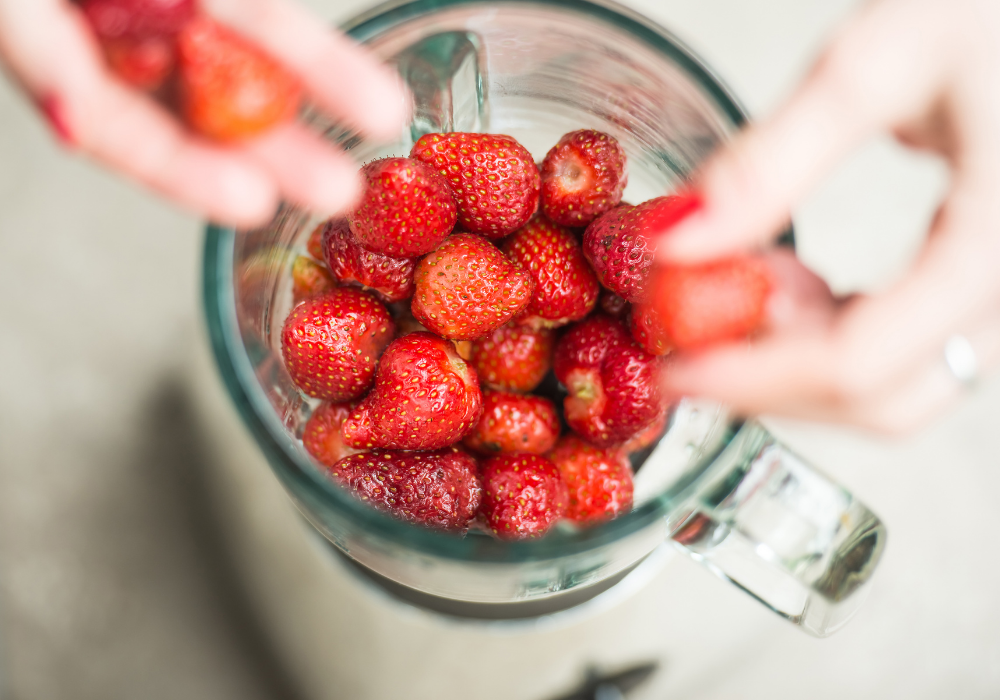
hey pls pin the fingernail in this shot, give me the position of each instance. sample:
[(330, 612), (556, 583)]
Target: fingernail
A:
[(54, 112)]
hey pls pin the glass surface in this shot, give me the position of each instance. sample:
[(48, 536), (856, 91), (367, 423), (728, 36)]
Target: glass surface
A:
[(536, 71)]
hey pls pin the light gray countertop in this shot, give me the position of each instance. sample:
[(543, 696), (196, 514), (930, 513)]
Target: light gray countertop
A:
[(111, 583)]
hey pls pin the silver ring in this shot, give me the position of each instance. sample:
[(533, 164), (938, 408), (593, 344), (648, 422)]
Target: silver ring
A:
[(961, 359)]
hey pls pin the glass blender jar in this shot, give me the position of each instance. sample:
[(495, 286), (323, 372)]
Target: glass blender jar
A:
[(721, 488)]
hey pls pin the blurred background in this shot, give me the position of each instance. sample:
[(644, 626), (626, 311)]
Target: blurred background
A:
[(115, 584)]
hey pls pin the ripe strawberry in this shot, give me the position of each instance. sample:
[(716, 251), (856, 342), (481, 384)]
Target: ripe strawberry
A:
[(599, 481), (620, 243), (435, 489), (647, 436), (523, 495), (425, 397), (614, 385), (142, 63), (229, 88), (314, 246), (331, 343), (716, 302), (565, 286), (493, 177), (309, 279), (647, 329), (513, 358), (322, 436), (406, 209), (466, 288), (583, 176), (514, 423), (612, 304), (391, 279), (137, 19)]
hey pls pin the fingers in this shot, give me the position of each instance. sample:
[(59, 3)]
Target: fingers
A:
[(881, 70), (344, 79)]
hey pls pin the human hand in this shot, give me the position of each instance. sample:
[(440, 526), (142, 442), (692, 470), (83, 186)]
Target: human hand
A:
[(928, 71), (48, 47)]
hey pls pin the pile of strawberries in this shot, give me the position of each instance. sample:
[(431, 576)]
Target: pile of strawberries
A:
[(221, 84), (428, 315)]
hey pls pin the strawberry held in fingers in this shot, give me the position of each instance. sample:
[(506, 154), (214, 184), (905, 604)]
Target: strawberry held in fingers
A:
[(390, 279), (229, 88), (565, 286), (137, 19), (322, 435), (513, 358), (614, 385), (583, 176), (523, 495), (425, 397), (331, 343), (514, 423), (406, 209), (435, 489), (598, 481), (143, 63), (715, 302), (467, 288), (493, 178)]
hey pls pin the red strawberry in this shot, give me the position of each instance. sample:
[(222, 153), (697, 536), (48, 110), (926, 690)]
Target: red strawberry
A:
[(583, 176), (523, 495), (137, 19), (406, 209), (142, 63), (647, 436), (331, 343), (565, 286), (435, 489), (599, 481), (716, 302), (466, 288), (513, 358), (229, 88), (619, 243), (614, 385), (514, 423), (425, 397), (314, 246), (493, 177), (322, 436), (309, 279), (612, 304), (647, 330), (391, 279)]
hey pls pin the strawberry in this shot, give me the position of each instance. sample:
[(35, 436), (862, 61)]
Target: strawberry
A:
[(647, 436), (425, 397), (137, 19), (493, 177), (143, 63), (612, 304), (514, 423), (583, 176), (565, 286), (466, 288), (614, 385), (647, 330), (331, 343), (599, 482), (619, 243), (309, 279), (435, 489), (406, 209), (322, 436), (229, 88), (715, 302), (523, 495), (314, 245), (513, 358), (390, 279)]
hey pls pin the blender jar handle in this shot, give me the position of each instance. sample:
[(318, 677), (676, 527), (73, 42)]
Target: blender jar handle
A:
[(762, 518)]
